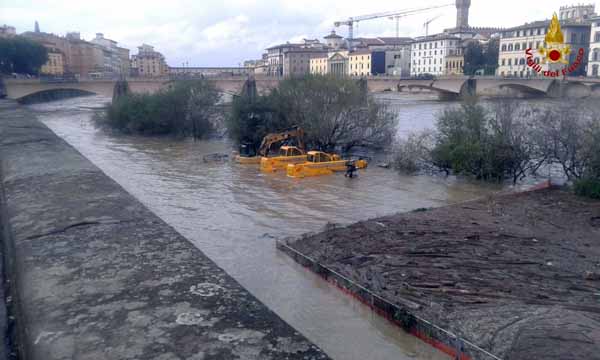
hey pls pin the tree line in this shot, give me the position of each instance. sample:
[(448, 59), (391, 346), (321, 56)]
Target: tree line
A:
[(508, 140), (21, 55)]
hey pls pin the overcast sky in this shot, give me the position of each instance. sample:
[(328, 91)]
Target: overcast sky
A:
[(227, 32)]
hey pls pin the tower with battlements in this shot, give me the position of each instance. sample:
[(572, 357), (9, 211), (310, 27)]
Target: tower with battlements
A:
[(462, 13)]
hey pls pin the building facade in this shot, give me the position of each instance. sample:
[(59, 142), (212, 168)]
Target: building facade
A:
[(318, 64), (296, 61), (337, 64), (359, 63), (7, 31), (430, 53), (455, 64), (514, 42), (149, 63), (397, 53), (577, 13), (115, 59), (594, 54), (275, 58), (293, 59), (55, 65)]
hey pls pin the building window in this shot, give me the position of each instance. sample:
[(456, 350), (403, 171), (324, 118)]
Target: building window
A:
[(573, 38), (510, 47), (503, 62), (517, 47), (595, 55), (503, 47), (597, 36), (595, 70)]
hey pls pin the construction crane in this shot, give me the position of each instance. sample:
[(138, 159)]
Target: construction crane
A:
[(389, 14), (426, 24)]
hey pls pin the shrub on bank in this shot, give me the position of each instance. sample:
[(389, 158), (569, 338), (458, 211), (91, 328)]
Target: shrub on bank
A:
[(587, 187), (491, 145), (184, 109), (510, 141)]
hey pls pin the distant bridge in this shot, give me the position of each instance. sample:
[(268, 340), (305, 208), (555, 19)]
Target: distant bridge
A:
[(450, 87), (460, 87), (21, 89)]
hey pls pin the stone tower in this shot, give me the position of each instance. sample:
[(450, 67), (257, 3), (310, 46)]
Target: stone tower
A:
[(37, 27), (462, 13)]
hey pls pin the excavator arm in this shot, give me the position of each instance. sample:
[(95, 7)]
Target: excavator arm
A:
[(270, 139)]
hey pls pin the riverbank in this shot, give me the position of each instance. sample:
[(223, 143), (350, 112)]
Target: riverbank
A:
[(517, 275), (96, 275)]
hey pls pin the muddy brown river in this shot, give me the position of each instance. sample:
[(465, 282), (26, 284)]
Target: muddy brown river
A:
[(234, 213)]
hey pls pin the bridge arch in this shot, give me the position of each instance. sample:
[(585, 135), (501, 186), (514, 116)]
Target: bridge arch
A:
[(534, 87), (53, 94), (576, 90)]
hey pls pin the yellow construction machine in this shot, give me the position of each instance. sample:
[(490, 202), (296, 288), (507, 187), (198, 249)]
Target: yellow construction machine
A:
[(320, 163), (248, 156)]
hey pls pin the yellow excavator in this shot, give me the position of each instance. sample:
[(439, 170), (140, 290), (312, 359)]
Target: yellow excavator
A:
[(248, 155)]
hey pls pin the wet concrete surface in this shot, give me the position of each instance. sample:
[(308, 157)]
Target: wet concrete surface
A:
[(99, 276)]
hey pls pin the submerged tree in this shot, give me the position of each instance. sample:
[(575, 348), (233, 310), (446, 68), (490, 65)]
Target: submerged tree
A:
[(184, 109), (334, 112)]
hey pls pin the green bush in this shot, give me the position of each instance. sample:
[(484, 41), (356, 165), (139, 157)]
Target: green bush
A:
[(334, 113), (491, 145), (184, 109), (588, 187)]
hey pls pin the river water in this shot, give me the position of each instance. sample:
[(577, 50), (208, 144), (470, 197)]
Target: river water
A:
[(233, 213)]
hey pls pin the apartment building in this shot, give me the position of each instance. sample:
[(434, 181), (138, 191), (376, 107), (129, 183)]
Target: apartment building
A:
[(512, 59), (359, 62), (149, 63), (115, 59), (593, 69), (55, 64), (429, 54), (296, 61)]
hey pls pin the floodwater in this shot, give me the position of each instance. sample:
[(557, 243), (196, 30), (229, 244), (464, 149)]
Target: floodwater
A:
[(233, 213)]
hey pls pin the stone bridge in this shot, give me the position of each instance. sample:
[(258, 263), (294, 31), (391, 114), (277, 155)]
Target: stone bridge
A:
[(455, 87), (447, 88), (21, 89)]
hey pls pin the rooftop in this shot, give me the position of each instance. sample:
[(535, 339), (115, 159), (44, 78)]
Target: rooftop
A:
[(333, 35), (441, 36), (546, 23)]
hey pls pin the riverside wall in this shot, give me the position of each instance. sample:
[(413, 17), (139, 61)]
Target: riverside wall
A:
[(94, 274)]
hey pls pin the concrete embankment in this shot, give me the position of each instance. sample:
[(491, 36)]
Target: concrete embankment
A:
[(95, 275), (508, 277)]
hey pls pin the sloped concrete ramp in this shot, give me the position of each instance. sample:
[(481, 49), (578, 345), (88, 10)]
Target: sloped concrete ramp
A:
[(96, 275)]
